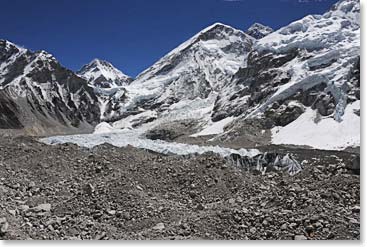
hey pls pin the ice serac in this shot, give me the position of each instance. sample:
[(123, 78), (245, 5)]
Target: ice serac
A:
[(196, 70), (310, 65), (259, 31), (39, 96), (100, 73)]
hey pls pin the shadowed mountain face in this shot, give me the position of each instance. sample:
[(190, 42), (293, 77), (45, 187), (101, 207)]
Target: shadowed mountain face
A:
[(41, 96), (8, 112)]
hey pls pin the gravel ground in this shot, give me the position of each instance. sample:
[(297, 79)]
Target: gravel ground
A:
[(66, 192)]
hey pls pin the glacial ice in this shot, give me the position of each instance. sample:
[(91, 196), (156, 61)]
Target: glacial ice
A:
[(123, 138)]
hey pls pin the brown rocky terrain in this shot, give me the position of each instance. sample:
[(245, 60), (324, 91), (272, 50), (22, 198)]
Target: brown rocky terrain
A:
[(68, 192)]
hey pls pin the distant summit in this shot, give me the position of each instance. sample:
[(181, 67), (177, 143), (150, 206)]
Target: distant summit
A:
[(103, 74), (259, 31)]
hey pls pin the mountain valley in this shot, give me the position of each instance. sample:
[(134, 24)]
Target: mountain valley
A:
[(230, 125)]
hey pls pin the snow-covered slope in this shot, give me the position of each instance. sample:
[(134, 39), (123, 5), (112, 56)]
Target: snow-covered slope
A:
[(103, 74), (312, 63), (40, 95), (196, 69), (258, 30), (219, 44), (323, 133)]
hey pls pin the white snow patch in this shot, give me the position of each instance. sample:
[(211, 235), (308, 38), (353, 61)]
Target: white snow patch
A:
[(214, 128), (325, 134), (103, 128)]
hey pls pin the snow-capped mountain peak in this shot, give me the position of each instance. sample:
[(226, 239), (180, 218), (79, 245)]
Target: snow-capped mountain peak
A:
[(40, 95), (195, 70), (258, 30), (223, 35), (6, 45), (100, 73)]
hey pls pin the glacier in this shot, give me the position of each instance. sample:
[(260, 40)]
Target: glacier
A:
[(123, 138)]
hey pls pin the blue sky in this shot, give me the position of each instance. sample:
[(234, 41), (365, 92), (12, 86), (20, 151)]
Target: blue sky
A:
[(133, 34)]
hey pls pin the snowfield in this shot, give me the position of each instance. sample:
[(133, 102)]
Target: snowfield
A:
[(323, 134), (214, 128)]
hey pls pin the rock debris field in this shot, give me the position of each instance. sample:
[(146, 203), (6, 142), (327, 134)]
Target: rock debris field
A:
[(68, 192)]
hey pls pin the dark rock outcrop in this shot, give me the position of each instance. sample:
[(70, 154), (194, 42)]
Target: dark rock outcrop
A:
[(40, 95)]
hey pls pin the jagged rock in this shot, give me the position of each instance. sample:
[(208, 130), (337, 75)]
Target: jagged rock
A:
[(300, 237), (46, 207), (12, 212), (258, 30), (100, 236), (355, 164), (89, 189), (356, 209), (111, 212), (31, 185), (4, 225), (161, 134), (284, 226), (309, 229), (24, 208), (159, 227)]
